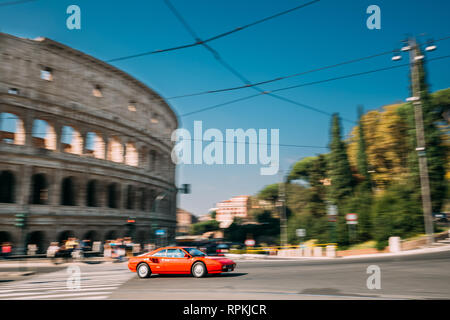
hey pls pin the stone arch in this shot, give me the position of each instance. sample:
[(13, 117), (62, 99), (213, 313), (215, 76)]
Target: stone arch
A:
[(131, 195), (7, 187), (143, 157), (95, 145), (115, 150), (153, 158), (12, 129), (131, 154), (113, 195), (91, 235), (68, 194), (142, 199), (71, 140), (92, 193), (39, 189), (37, 238), (111, 235), (5, 237), (64, 235), (151, 196), (43, 135)]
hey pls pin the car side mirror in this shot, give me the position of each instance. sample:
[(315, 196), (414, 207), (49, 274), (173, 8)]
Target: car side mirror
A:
[(187, 256)]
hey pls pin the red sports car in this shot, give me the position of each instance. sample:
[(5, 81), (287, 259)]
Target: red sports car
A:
[(179, 260)]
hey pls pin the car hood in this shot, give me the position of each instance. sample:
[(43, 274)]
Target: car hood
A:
[(221, 260)]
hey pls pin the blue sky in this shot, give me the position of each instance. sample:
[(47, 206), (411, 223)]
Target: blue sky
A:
[(324, 33)]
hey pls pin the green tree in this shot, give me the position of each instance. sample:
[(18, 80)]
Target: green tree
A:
[(204, 226), (301, 169), (340, 173), (362, 164), (341, 178), (269, 193), (396, 213)]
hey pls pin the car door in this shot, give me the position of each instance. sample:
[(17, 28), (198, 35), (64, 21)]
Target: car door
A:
[(176, 261), (157, 261)]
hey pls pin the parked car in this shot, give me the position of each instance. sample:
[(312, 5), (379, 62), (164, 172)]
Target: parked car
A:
[(440, 217)]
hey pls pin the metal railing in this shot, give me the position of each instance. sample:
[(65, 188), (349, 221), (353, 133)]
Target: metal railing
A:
[(275, 249)]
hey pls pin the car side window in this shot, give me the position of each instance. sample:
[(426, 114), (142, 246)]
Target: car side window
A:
[(175, 253), (161, 253)]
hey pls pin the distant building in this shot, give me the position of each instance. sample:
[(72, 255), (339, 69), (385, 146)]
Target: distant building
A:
[(204, 217), (229, 209), (185, 220)]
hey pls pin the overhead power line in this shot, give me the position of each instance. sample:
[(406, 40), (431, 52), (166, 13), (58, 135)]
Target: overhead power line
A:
[(12, 3), (270, 92), (236, 73), (291, 75), (280, 78), (218, 36)]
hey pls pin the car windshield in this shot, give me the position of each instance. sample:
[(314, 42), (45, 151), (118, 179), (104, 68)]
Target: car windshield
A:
[(195, 252)]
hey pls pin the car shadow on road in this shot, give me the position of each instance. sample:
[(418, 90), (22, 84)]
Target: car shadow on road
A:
[(218, 275)]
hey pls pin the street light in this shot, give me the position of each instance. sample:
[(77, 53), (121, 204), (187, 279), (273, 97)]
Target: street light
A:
[(397, 56), (430, 46)]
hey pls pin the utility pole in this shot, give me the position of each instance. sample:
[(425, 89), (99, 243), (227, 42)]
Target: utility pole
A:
[(420, 135), (282, 199)]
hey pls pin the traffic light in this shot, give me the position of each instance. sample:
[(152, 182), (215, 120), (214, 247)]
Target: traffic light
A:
[(21, 220), (186, 189)]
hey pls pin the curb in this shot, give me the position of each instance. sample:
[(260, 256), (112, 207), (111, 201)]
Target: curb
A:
[(246, 256)]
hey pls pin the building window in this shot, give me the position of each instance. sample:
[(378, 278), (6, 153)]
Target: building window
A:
[(97, 91), (47, 74), (13, 91), (132, 106)]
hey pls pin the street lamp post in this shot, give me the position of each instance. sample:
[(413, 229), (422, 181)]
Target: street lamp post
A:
[(283, 222)]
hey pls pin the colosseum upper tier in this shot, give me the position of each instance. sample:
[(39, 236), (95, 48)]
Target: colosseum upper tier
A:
[(84, 148)]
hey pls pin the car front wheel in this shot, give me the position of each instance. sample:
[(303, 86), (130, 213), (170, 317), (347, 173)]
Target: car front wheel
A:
[(198, 270), (143, 271)]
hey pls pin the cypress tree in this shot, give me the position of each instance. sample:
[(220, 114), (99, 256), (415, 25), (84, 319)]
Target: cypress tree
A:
[(341, 178), (361, 157), (339, 166)]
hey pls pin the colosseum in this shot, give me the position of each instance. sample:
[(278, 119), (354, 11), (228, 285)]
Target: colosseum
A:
[(84, 148)]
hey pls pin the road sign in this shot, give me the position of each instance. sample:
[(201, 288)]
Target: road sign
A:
[(21, 220), (300, 232), (249, 242), (160, 232), (352, 218), (186, 189), (332, 210)]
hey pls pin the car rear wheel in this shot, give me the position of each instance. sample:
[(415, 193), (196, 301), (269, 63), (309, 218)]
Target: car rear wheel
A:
[(143, 271), (199, 270)]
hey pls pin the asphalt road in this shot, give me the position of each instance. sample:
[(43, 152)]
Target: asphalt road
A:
[(424, 276), (407, 277)]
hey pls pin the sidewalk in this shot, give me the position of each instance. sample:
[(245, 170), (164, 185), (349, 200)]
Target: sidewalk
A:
[(11, 276), (248, 256), (45, 262)]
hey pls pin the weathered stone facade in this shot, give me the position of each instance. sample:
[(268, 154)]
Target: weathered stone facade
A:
[(83, 147)]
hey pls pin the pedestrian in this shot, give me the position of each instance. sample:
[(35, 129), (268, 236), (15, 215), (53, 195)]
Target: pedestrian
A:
[(107, 251), (52, 251)]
